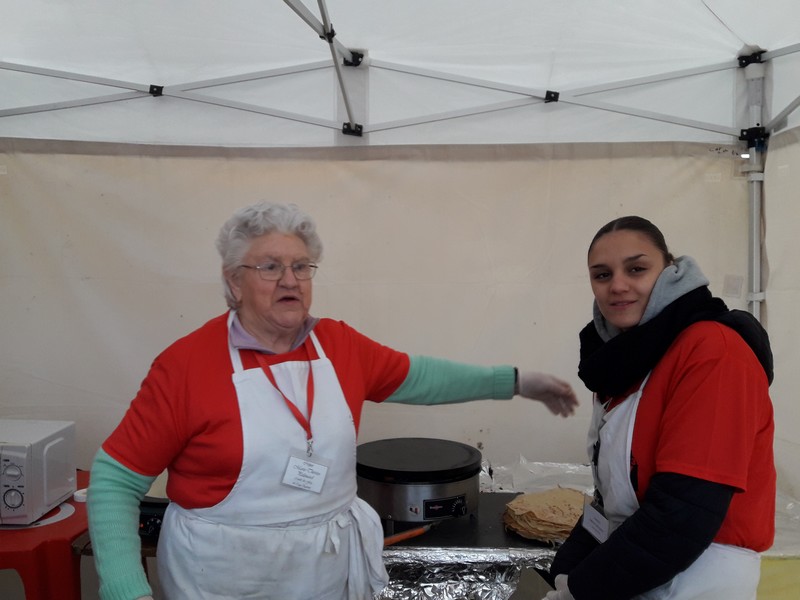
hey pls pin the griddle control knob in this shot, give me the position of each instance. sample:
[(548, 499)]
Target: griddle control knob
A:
[(150, 526), (459, 508)]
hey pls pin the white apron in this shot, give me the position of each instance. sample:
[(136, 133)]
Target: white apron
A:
[(268, 540), (721, 572)]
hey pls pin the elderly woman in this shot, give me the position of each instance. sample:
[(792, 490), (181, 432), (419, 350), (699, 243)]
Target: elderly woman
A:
[(255, 416)]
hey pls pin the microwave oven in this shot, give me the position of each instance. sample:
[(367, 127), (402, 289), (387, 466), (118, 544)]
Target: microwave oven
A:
[(37, 468)]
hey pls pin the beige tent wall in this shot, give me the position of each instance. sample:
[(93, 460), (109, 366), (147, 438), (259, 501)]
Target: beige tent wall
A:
[(782, 245), (471, 253), (475, 254)]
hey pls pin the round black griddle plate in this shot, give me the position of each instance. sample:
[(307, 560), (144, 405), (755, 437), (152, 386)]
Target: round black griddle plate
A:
[(417, 460)]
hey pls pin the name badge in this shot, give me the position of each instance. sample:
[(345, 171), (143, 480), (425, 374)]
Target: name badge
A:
[(594, 520), (304, 473)]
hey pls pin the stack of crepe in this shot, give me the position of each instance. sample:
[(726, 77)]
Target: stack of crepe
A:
[(546, 516)]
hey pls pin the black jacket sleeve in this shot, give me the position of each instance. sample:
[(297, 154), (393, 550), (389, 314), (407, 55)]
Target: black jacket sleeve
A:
[(573, 551), (677, 520)]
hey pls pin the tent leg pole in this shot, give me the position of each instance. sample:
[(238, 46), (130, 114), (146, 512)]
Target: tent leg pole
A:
[(756, 295), (754, 76)]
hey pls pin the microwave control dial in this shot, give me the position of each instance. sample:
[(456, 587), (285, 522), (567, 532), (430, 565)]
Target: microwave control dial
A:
[(13, 498), (12, 472)]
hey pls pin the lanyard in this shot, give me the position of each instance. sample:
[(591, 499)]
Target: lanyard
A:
[(305, 423)]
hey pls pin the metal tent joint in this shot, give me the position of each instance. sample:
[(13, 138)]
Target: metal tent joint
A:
[(756, 137), (156, 90), (551, 96), (755, 57), (353, 129), (328, 35), (355, 60)]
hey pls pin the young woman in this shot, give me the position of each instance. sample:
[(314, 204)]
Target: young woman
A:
[(681, 435)]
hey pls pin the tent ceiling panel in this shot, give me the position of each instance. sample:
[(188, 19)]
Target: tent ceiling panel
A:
[(21, 88), (783, 89), (394, 95), (518, 49), (168, 121), (770, 24), (153, 41), (288, 93), (685, 98), (555, 123)]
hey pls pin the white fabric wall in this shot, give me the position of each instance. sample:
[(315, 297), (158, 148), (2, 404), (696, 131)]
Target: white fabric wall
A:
[(782, 182), (472, 253), (475, 254)]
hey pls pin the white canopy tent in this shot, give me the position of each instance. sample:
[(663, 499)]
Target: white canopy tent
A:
[(494, 138), (261, 73)]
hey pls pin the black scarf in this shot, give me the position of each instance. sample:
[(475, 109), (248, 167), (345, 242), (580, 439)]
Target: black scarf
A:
[(611, 368)]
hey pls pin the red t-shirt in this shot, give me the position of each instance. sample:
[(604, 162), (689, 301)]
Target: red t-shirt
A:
[(186, 413), (706, 412)]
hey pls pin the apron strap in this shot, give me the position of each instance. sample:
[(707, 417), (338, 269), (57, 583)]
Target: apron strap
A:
[(236, 359), (317, 345)]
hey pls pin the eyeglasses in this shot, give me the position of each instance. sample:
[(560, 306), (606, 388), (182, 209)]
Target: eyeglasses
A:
[(273, 270)]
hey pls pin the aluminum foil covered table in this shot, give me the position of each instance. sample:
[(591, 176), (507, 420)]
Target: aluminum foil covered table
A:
[(471, 557)]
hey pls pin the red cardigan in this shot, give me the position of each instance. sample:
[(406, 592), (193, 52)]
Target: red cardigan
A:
[(186, 414)]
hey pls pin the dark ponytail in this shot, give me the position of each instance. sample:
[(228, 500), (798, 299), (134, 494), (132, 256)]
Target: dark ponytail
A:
[(640, 224)]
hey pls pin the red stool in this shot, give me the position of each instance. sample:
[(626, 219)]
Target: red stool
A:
[(43, 556)]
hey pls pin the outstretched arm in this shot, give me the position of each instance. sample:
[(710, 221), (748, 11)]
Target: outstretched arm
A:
[(438, 381)]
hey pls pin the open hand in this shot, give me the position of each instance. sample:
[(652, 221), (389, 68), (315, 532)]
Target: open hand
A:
[(556, 393)]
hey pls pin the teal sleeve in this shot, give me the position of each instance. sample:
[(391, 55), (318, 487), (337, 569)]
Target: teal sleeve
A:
[(113, 508), (438, 381)]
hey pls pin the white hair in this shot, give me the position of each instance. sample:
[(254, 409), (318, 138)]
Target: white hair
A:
[(254, 221)]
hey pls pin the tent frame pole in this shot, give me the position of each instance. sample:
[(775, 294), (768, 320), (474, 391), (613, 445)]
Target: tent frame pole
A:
[(754, 77), (324, 29), (308, 17), (350, 127), (525, 96), (576, 97)]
